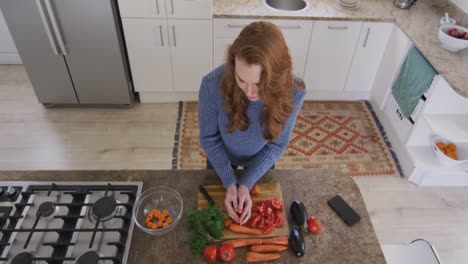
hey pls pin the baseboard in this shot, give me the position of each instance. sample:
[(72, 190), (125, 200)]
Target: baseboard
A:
[(10, 58), (160, 97), (338, 95), (426, 178)]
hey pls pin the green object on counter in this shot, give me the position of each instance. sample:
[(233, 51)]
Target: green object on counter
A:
[(207, 224), (415, 77)]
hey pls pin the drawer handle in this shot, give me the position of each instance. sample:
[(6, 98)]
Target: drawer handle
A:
[(157, 6), (172, 6), (173, 35), (235, 26), (338, 28), (367, 38), (161, 35), (289, 27)]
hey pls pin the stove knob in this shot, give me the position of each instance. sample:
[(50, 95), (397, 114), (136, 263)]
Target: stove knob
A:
[(11, 191)]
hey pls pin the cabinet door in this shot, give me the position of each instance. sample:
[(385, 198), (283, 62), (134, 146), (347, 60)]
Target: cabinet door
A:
[(149, 55), (8, 52), (369, 53), (331, 52), (189, 9), (142, 8), (191, 52), (296, 33)]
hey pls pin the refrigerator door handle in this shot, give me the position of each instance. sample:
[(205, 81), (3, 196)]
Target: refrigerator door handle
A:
[(53, 45), (55, 26)]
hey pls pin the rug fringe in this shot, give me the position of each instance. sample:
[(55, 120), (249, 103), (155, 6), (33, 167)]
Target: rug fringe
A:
[(175, 150), (385, 137)]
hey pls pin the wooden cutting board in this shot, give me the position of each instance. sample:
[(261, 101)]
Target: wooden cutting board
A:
[(267, 191)]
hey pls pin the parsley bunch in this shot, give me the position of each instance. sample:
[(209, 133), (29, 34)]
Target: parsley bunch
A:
[(207, 224)]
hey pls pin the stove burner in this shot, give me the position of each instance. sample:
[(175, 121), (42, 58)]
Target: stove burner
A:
[(90, 257), (105, 208), (45, 209), (23, 258)]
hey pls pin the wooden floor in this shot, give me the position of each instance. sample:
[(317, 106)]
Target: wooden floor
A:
[(33, 138)]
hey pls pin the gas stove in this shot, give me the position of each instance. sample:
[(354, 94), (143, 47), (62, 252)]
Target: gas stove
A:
[(66, 222)]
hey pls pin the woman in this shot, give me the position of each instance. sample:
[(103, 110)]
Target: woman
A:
[(247, 110)]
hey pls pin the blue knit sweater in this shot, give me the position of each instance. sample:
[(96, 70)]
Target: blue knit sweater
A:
[(245, 148)]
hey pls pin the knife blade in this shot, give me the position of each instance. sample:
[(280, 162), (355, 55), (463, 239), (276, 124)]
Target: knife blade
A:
[(206, 194)]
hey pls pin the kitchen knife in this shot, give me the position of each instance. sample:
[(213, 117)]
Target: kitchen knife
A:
[(206, 194)]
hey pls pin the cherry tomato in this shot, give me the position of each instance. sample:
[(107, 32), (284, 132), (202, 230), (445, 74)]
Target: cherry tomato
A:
[(226, 252), (210, 253), (314, 224), (276, 203), (255, 190)]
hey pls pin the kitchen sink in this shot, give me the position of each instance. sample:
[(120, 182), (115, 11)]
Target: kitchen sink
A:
[(287, 5)]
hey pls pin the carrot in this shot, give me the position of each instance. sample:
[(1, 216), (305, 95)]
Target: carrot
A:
[(244, 230), (228, 222), (255, 190), (267, 248), (282, 240), (260, 257), (244, 242)]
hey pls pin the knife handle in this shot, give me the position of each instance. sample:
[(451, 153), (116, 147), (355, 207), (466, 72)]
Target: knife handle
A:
[(206, 194)]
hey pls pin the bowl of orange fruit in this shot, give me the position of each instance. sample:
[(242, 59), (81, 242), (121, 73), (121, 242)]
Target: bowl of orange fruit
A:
[(449, 152)]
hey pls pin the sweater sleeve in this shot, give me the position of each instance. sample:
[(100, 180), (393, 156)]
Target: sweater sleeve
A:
[(210, 137), (272, 151)]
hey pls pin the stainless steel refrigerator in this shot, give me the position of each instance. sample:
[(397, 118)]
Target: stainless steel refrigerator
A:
[(73, 50)]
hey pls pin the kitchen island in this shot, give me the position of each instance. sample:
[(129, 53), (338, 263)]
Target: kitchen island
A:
[(337, 243)]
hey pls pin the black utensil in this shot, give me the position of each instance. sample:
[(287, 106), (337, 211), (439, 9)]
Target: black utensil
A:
[(206, 194)]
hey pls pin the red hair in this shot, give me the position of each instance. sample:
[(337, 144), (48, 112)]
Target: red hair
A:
[(261, 43)]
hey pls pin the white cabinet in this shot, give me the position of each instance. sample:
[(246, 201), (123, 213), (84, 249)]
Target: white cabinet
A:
[(368, 55), (331, 50), (295, 32), (191, 53), (148, 48), (395, 52), (8, 52), (169, 45), (180, 9)]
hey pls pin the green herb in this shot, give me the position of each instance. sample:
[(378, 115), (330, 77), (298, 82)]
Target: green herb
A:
[(207, 224)]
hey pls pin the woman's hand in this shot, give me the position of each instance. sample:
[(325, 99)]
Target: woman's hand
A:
[(230, 202), (245, 204)]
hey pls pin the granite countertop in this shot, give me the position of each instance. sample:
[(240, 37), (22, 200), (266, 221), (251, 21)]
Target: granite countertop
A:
[(420, 23), (337, 243)]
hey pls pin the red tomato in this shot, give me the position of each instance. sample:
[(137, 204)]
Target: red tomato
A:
[(261, 223), (270, 219), (279, 221), (226, 252), (314, 224), (276, 203), (254, 220), (269, 227), (210, 253)]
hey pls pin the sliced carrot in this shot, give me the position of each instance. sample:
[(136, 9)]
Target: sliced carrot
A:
[(244, 242), (228, 222), (165, 212), (165, 225), (161, 217), (282, 240), (244, 230), (268, 248), (261, 257), (255, 190), (169, 220), (160, 224)]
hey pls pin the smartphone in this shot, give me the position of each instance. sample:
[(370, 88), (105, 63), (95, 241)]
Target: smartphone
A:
[(344, 211)]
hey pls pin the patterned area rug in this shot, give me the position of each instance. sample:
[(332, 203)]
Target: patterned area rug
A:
[(328, 134)]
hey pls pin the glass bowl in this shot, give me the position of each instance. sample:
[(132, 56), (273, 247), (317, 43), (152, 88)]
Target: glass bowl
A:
[(160, 198)]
